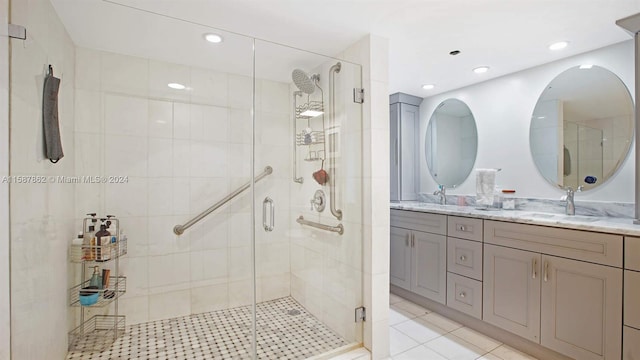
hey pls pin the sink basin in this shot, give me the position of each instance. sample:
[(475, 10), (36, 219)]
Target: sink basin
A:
[(562, 217)]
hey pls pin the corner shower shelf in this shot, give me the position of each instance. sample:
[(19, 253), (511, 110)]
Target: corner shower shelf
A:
[(97, 333), (317, 107), (80, 253), (117, 287), (100, 331), (312, 138)]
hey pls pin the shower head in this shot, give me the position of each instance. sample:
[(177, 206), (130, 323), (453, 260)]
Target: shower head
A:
[(303, 81)]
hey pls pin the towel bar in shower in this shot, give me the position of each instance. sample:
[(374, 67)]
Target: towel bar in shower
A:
[(339, 228), (179, 229)]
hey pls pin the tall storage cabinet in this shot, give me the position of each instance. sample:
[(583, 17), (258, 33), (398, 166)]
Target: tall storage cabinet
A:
[(404, 155)]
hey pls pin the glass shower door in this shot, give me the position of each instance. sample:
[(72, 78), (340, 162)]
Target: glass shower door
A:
[(308, 229)]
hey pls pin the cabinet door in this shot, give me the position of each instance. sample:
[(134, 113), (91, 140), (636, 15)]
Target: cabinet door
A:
[(400, 258), (394, 150), (511, 290), (581, 309), (429, 266), (409, 154)]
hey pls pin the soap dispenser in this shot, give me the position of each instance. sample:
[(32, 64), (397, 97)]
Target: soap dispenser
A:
[(96, 278)]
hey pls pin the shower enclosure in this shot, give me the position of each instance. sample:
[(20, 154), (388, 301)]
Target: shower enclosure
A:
[(243, 195)]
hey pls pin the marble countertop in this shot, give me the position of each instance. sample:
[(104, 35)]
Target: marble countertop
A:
[(621, 226)]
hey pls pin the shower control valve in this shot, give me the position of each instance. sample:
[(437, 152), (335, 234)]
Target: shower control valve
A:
[(318, 201)]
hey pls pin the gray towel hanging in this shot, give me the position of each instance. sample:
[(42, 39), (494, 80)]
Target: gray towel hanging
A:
[(52, 141)]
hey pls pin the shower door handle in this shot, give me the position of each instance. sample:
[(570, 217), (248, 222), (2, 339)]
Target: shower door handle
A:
[(268, 202)]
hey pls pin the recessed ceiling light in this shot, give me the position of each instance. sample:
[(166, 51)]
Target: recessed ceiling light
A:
[(586, 66), (176, 86), (428, 86), (213, 38), (481, 69), (559, 45)]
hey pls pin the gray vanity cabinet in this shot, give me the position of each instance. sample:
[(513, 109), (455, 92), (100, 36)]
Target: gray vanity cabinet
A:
[(418, 253), (512, 290), (429, 266), (404, 123), (581, 308), (400, 255), (568, 305)]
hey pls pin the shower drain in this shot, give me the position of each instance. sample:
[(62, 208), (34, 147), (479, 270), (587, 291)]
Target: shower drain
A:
[(293, 312)]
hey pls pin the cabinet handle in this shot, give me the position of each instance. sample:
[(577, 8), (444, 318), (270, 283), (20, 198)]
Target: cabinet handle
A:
[(463, 258), (462, 228), (462, 294), (407, 239), (534, 268), (413, 240), (546, 271)]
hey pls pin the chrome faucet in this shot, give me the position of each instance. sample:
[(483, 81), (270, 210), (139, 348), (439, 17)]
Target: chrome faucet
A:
[(442, 191), (571, 206)]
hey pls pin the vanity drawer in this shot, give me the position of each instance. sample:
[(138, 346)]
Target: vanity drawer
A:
[(632, 253), (413, 220), (464, 295), (465, 228), (600, 248), (632, 298), (464, 257)]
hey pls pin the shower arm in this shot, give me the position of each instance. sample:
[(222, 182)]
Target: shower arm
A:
[(332, 146), (296, 179)]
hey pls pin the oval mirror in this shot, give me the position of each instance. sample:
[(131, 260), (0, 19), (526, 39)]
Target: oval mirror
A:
[(451, 143), (581, 127)]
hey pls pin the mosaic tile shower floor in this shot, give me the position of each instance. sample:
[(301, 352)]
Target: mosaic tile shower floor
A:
[(225, 334)]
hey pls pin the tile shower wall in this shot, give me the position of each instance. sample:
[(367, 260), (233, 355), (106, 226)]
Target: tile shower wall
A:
[(182, 151), (42, 215)]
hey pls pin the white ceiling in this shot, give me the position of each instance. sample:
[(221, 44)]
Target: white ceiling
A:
[(508, 36)]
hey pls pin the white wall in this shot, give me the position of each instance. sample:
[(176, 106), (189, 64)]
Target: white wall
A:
[(373, 53), (183, 151), (42, 215), (5, 311), (502, 108)]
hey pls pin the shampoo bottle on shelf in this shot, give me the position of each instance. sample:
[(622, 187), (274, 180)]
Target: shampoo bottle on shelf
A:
[(89, 243), (103, 241)]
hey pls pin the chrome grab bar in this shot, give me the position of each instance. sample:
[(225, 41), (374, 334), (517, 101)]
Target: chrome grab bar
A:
[(339, 228), (179, 229), (268, 202), (332, 145)]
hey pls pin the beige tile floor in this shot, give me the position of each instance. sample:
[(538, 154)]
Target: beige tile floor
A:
[(418, 334)]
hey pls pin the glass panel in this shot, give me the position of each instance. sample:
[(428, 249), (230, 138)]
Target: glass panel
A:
[(5, 315), (308, 128), (169, 114)]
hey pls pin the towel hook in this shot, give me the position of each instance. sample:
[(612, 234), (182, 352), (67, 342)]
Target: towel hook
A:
[(50, 70)]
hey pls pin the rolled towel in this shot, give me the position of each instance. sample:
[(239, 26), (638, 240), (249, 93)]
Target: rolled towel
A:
[(485, 186), (52, 141)]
